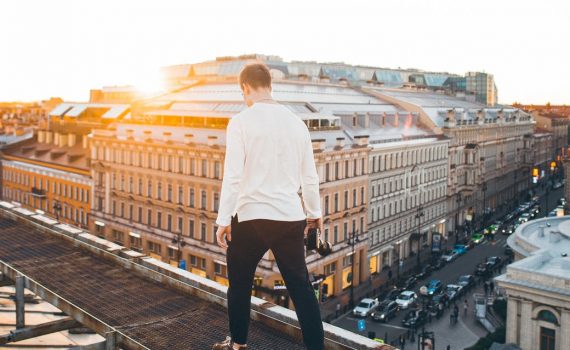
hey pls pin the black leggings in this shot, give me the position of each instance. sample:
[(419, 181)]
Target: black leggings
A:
[(250, 241)]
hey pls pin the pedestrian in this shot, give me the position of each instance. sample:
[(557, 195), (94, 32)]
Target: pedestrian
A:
[(402, 342), (486, 287), (260, 207), (465, 307), (337, 309), (492, 287), (439, 310)]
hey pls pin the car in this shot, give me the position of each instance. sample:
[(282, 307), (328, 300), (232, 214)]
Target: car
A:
[(507, 230), (483, 269), (509, 217), (434, 287), (409, 283), (477, 238), (406, 299), (393, 294), (365, 307), (449, 256), (385, 311), (453, 291), (553, 213), (416, 318), (524, 217), (508, 251), (459, 249), (562, 201), (424, 272), (557, 185), (437, 304), (466, 281), (437, 264), (494, 262)]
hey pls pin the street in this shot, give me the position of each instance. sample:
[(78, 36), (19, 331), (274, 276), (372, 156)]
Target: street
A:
[(467, 331)]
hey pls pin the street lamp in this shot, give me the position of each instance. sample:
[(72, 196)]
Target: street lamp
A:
[(352, 241), (418, 216), (458, 201), (180, 243), (484, 188)]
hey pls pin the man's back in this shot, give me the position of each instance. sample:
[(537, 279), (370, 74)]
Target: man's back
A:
[(277, 148)]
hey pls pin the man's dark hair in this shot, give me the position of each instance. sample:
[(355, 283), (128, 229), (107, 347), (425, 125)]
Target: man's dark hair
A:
[(256, 75)]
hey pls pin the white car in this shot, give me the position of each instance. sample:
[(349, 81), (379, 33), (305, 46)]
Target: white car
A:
[(365, 306), (449, 256), (406, 299)]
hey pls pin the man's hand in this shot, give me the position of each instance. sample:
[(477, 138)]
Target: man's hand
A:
[(314, 223), (224, 233)]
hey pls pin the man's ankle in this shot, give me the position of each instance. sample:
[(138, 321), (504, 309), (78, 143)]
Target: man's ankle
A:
[(237, 346)]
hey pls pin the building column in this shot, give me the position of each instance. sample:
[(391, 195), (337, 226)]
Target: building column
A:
[(564, 327), (512, 320), (20, 311), (526, 325)]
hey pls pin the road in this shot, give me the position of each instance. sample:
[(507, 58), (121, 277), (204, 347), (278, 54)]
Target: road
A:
[(468, 330)]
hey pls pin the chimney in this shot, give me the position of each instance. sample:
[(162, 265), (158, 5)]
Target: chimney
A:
[(451, 114), (361, 140), (130, 134), (147, 135), (339, 143), (41, 136), (166, 136), (481, 116), (49, 136), (318, 145), (71, 140), (188, 138), (212, 141)]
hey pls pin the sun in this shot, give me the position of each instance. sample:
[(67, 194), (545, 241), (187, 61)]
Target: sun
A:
[(150, 84)]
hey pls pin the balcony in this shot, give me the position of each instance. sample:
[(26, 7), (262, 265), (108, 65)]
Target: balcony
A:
[(38, 192)]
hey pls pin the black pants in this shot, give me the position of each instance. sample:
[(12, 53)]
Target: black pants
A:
[(250, 241)]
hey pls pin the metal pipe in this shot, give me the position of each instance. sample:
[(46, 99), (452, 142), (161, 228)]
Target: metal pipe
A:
[(20, 310)]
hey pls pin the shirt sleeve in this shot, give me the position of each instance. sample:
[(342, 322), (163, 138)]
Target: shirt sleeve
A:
[(233, 170), (310, 181)]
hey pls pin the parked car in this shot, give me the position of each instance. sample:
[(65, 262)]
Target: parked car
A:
[(393, 294), (562, 201), (406, 299), (460, 249), (466, 281), (449, 256), (557, 185), (424, 272), (415, 318), (477, 238), (437, 263), (434, 307), (408, 283), (365, 307), (508, 251), (524, 217), (453, 291), (385, 311), (434, 287)]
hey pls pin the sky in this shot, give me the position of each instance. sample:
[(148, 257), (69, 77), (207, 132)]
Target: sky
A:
[(67, 47)]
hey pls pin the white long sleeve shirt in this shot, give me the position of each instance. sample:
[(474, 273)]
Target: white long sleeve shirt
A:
[(269, 155)]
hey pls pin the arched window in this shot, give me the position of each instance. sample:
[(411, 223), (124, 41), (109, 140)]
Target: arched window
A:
[(547, 316)]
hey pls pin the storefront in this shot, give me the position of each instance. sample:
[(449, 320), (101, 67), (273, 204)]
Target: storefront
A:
[(374, 263)]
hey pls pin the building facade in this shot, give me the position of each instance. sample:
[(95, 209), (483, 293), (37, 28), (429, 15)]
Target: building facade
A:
[(537, 285), (157, 179)]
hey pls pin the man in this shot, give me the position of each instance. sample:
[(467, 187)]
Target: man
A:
[(269, 155)]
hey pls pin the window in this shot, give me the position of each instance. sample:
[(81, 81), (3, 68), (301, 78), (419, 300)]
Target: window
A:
[(354, 197), (180, 194), (336, 171), (191, 198), (149, 188), (547, 316), (345, 200), (154, 247), (191, 228), (140, 214), (169, 193), (361, 195), (547, 338), (203, 200), (149, 217), (217, 169), (180, 165), (159, 190), (140, 187), (216, 202), (203, 231), (336, 202), (346, 168), (345, 231), (159, 219), (335, 234), (327, 172), (169, 222), (204, 167), (326, 205), (192, 166), (220, 270)]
